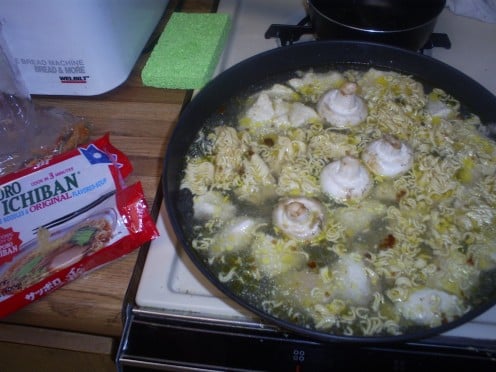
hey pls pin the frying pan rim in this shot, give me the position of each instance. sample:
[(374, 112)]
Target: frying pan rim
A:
[(170, 194)]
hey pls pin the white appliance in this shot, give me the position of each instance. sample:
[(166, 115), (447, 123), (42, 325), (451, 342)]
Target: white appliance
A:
[(174, 305), (74, 47)]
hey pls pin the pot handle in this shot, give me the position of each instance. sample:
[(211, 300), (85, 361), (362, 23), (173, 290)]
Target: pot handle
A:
[(438, 40), (288, 34)]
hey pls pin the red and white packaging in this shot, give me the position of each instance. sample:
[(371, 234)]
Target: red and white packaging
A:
[(64, 217)]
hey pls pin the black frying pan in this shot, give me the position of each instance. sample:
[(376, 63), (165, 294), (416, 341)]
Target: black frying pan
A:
[(247, 76)]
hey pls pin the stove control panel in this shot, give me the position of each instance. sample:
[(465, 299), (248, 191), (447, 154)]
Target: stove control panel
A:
[(187, 345)]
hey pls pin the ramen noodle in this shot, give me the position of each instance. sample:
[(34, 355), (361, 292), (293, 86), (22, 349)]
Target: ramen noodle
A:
[(65, 216), (47, 255), (394, 184)]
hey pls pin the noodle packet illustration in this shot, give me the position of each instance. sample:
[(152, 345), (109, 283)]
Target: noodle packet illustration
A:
[(65, 216)]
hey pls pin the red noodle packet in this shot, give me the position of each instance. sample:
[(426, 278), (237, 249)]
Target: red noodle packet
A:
[(66, 216)]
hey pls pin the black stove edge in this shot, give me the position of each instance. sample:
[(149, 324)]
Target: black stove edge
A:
[(154, 339)]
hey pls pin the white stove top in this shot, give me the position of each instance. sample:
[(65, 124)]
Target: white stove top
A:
[(170, 282)]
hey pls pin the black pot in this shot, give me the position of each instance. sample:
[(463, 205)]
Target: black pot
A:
[(246, 76), (405, 23)]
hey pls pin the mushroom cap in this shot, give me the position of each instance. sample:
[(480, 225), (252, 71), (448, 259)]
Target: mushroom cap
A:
[(299, 217), (345, 179), (388, 156), (342, 107)]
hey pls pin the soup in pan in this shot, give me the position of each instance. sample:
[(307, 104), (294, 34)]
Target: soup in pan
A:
[(350, 202)]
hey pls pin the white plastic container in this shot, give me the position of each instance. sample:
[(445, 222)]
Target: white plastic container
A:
[(77, 47)]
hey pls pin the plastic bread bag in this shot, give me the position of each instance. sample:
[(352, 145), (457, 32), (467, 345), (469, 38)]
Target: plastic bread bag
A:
[(11, 81), (64, 217), (482, 10), (30, 132)]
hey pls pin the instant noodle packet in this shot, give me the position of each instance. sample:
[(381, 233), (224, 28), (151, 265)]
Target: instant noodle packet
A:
[(66, 216)]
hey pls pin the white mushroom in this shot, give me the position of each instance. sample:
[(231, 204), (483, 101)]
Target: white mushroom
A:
[(342, 107), (388, 156), (430, 307), (345, 179), (300, 218)]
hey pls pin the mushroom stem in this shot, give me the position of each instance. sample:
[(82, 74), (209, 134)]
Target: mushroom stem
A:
[(342, 107), (299, 218), (388, 156), (345, 179)]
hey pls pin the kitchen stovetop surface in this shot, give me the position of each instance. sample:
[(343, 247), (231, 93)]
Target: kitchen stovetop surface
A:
[(170, 281)]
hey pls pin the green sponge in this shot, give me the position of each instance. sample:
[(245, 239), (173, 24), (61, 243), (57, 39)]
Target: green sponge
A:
[(187, 52)]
